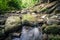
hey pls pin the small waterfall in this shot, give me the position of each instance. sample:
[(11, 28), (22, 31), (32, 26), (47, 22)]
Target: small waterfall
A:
[(30, 34)]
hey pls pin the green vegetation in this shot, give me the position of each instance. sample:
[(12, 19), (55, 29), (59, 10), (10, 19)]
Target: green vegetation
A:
[(16, 4), (28, 3), (3, 5)]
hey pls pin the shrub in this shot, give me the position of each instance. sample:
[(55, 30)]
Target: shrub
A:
[(3, 5), (22, 3), (16, 4), (28, 3)]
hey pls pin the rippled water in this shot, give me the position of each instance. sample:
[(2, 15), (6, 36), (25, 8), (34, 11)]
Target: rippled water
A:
[(30, 34)]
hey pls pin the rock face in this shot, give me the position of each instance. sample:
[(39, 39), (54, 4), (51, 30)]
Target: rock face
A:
[(12, 22)]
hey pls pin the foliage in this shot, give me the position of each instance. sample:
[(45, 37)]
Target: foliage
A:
[(22, 3), (16, 4), (3, 5), (28, 3)]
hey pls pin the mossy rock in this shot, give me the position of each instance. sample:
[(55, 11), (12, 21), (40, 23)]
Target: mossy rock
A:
[(51, 29), (12, 23), (29, 17)]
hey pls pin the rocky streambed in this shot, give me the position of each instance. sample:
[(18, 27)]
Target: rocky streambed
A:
[(45, 19)]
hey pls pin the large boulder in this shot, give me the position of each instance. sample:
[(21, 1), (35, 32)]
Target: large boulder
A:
[(12, 23)]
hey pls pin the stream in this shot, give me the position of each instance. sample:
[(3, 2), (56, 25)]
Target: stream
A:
[(30, 34)]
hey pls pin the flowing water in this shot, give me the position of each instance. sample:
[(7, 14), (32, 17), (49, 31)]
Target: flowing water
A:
[(30, 34)]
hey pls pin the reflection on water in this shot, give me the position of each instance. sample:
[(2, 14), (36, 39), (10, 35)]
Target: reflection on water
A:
[(30, 34)]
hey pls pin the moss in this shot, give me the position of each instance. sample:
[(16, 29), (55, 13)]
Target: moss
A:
[(54, 29), (28, 17), (12, 23), (54, 37)]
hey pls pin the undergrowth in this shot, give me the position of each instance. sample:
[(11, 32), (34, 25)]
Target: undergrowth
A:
[(16, 4)]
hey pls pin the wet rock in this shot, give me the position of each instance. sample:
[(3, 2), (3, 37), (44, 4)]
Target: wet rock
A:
[(40, 20), (43, 16), (45, 36), (12, 23), (57, 16), (18, 12), (54, 17), (2, 26), (52, 21), (8, 38), (2, 19), (2, 32), (57, 10), (15, 34)]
